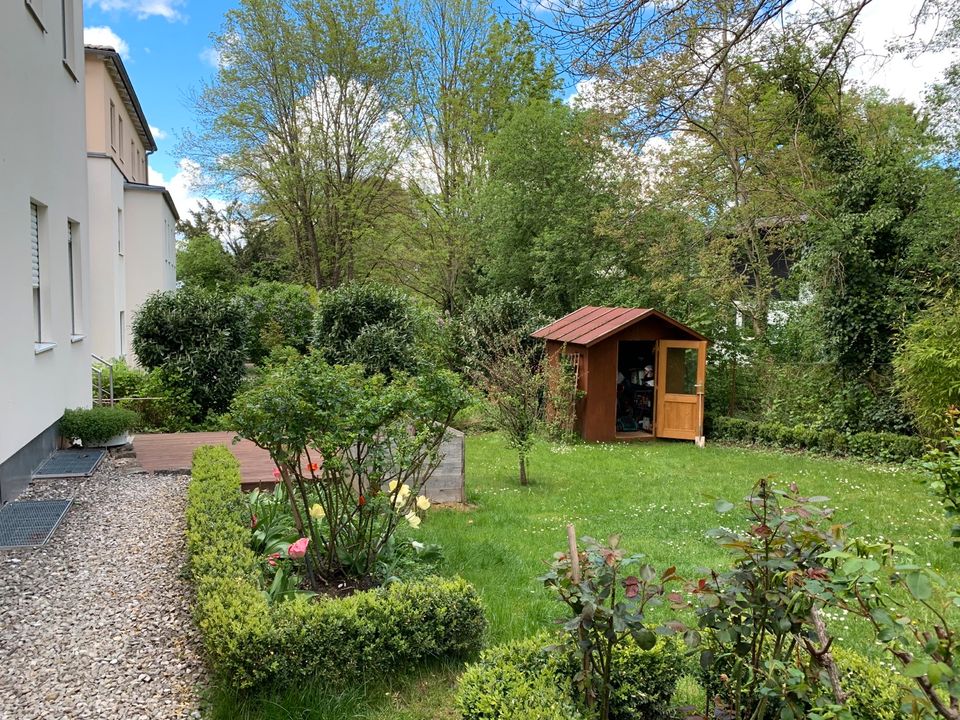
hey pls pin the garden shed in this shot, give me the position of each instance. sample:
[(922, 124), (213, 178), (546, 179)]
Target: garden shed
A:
[(639, 373)]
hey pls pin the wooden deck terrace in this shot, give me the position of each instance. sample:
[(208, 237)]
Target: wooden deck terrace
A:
[(173, 453)]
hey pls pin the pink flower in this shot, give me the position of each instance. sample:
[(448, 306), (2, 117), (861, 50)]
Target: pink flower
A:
[(276, 473), (298, 549), (272, 559)]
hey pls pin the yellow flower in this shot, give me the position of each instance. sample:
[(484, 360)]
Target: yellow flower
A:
[(423, 502), (413, 519), (393, 485), (316, 511)]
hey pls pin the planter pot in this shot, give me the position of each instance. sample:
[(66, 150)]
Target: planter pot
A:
[(116, 441)]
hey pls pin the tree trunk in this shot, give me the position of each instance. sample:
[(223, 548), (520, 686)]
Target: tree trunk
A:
[(523, 470)]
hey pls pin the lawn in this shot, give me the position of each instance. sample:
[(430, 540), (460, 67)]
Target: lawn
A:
[(658, 495)]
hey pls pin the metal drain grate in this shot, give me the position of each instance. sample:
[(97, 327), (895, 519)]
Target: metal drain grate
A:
[(70, 463), (30, 523)]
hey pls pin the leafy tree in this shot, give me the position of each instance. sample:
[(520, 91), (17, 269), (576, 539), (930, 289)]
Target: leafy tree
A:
[(374, 326), (202, 262), (196, 336), (538, 209), (302, 115), (468, 71), (928, 364), (276, 314)]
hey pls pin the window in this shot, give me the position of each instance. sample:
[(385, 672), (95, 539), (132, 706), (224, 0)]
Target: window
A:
[(122, 331), (36, 10), (73, 272), (68, 26), (133, 168), (113, 126), (138, 165), (120, 246), (35, 271), (120, 145)]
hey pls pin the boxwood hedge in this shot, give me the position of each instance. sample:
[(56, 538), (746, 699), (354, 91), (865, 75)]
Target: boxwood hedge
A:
[(251, 643), (888, 447)]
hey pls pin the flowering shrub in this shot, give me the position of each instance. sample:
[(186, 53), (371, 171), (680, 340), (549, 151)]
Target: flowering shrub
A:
[(251, 642), (352, 454)]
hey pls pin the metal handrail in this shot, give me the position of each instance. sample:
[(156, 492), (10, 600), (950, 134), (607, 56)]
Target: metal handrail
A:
[(99, 372)]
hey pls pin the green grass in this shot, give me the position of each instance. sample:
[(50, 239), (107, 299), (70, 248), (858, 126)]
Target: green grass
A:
[(658, 495)]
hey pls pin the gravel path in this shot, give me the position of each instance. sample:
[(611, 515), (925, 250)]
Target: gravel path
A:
[(96, 624)]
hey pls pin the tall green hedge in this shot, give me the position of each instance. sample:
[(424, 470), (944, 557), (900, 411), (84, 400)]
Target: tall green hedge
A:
[(252, 644)]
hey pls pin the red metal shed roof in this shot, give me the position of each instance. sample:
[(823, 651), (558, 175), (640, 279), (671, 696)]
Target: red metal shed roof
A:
[(589, 325)]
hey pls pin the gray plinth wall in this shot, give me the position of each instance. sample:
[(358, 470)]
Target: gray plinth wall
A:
[(446, 483)]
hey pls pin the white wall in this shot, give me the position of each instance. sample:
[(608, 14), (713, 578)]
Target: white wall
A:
[(107, 265), (42, 158), (150, 225)]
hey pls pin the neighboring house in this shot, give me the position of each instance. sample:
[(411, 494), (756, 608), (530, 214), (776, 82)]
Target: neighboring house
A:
[(44, 233), (132, 223)]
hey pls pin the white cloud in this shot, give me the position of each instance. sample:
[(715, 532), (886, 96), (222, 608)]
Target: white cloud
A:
[(212, 57), (183, 186), (143, 9), (157, 133), (103, 35)]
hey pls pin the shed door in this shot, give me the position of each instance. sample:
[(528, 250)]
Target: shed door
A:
[(680, 375)]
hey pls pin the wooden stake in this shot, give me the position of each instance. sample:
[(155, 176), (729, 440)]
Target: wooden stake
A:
[(574, 554)]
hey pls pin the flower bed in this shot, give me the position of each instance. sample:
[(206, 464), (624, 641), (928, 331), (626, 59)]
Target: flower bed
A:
[(251, 643)]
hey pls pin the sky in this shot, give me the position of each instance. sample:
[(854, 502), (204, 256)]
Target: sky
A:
[(166, 47)]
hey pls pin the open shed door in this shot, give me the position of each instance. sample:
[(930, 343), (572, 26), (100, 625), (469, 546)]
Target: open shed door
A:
[(680, 374)]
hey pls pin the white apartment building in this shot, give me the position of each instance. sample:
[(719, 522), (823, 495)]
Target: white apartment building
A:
[(44, 231), (132, 223)]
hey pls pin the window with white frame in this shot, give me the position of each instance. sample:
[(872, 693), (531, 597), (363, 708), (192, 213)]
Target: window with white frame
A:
[(68, 25), (120, 144), (73, 270), (35, 271), (120, 244), (113, 126)]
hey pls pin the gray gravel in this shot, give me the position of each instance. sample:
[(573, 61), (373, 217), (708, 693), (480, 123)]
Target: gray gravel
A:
[(96, 624)]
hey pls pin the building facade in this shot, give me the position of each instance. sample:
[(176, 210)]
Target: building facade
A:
[(132, 223), (44, 231)]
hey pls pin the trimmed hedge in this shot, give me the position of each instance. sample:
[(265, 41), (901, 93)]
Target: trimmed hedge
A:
[(97, 424), (888, 447), (251, 643), (524, 680)]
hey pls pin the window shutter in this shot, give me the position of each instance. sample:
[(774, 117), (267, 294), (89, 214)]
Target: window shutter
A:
[(35, 244)]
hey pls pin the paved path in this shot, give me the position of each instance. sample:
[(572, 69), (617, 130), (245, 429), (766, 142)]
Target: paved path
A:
[(96, 624)]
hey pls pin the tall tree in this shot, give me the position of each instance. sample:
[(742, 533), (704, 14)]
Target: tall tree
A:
[(304, 116), (468, 72)]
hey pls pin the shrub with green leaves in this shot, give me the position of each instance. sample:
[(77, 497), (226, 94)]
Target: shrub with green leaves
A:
[(534, 678), (197, 337), (375, 326), (276, 315), (927, 364), (360, 447), (97, 425), (252, 644)]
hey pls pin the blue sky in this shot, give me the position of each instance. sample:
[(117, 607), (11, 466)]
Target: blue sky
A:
[(167, 50)]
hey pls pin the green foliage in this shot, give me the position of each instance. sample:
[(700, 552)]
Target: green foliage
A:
[(359, 447), (97, 425), (533, 678), (942, 463), (203, 263), (374, 326), (276, 315), (603, 619), (488, 321), (887, 447), (196, 337), (539, 206), (872, 692), (928, 363), (251, 643)]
